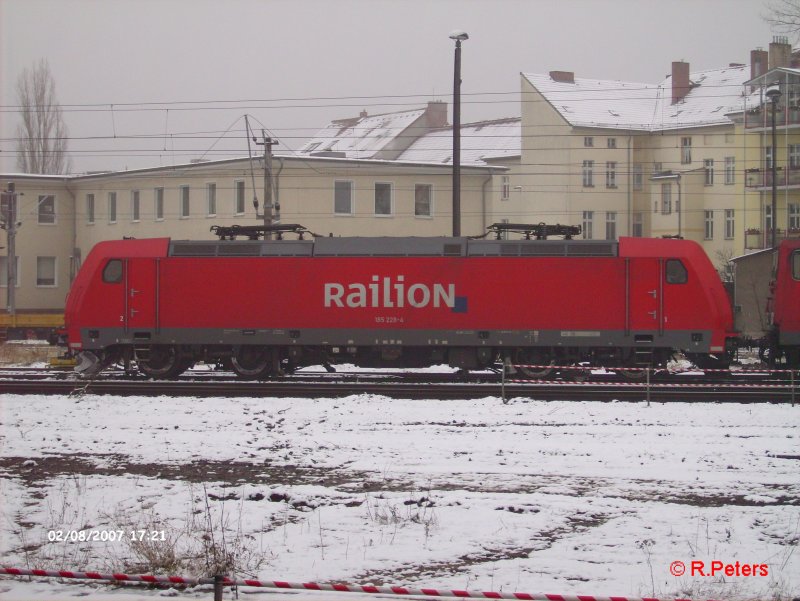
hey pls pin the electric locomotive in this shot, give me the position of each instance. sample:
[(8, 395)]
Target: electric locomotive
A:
[(268, 306)]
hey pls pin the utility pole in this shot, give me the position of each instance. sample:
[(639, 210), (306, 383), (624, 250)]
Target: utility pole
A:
[(8, 222), (268, 143)]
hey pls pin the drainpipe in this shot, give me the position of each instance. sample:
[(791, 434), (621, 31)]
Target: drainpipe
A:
[(75, 262), (483, 201)]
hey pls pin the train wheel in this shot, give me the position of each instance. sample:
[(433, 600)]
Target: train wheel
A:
[(533, 363), (164, 363), (252, 362)]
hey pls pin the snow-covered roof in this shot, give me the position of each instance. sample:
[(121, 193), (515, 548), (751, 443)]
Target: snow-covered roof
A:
[(361, 137), (646, 107), (479, 142)]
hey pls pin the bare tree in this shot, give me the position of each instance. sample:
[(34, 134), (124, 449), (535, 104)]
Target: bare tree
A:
[(784, 16), (42, 135)]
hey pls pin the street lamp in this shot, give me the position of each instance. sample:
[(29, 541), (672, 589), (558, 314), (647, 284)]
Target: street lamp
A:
[(774, 94), (458, 36)]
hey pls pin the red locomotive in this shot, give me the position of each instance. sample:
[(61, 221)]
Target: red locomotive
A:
[(783, 338), (269, 306)]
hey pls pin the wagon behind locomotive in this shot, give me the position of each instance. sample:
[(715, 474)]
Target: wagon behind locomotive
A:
[(269, 305)]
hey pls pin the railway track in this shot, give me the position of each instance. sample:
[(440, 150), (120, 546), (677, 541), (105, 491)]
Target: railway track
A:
[(750, 387)]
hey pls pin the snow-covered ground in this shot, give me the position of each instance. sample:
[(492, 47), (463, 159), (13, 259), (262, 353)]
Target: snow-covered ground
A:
[(558, 497)]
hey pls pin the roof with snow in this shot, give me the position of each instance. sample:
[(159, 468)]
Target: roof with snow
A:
[(361, 137), (480, 142), (646, 107)]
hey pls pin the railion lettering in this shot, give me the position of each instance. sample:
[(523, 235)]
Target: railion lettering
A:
[(388, 292)]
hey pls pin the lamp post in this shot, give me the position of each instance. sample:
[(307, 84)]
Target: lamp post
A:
[(458, 36), (774, 94)]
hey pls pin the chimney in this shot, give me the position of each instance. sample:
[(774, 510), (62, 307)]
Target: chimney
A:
[(680, 81), (759, 60), (563, 76), (436, 114), (780, 52)]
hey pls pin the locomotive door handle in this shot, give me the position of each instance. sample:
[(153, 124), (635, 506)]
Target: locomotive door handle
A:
[(134, 292), (134, 312), (653, 293), (652, 314)]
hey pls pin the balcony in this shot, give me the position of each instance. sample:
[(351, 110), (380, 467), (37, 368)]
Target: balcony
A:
[(755, 239), (758, 118), (762, 178)]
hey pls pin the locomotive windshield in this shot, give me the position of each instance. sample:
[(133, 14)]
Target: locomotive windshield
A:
[(676, 272), (112, 272)]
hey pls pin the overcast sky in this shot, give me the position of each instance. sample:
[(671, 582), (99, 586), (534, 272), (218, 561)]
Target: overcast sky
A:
[(168, 68)]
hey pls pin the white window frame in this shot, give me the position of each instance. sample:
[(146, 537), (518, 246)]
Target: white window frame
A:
[(611, 142), (708, 169), (136, 206), (794, 156), (708, 225), (588, 225), (730, 171), (211, 199), (429, 215), (90, 208), (638, 225), (55, 272), (587, 174), (730, 224), (158, 203), (686, 150), (350, 200), (793, 215), (111, 206), (638, 177), (49, 218), (588, 142), (611, 174), (611, 225), (239, 195), (391, 199), (666, 199), (184, 201), (505, 187)]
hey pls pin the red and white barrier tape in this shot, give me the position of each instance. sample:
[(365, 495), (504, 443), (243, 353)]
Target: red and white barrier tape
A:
[(744, 370), (313, 586)]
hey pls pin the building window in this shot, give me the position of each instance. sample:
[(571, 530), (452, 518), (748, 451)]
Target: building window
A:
[(768, 218), (158, 194), (794, 156), (383, 198), (612, 142), (112, 207), (4, 272), (588, 225), (638, 225), (588, 141), (46, 272), (730, 171), (343, 197), (423, 193), (185, 205), (505, 189), (611, 174), (238, 197), (686, 151), (611, 225), (588, 174), (666, 199), (708, 166), (768, 157), (658, 168), (730, 224), (90, 208), (47, 209), (793, 219), (135, 212), (638, 176), (709, 225), (211, 197)]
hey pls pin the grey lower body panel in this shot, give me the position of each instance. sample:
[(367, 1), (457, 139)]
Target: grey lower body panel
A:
[(695, 341), (789, 338)]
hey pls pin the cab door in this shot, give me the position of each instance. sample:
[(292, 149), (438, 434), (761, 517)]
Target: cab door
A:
[(645, 302), (141, 294)]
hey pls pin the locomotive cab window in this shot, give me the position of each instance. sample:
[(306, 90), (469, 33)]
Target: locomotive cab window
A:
[(796, 265), (112, 272), (676, 272)]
